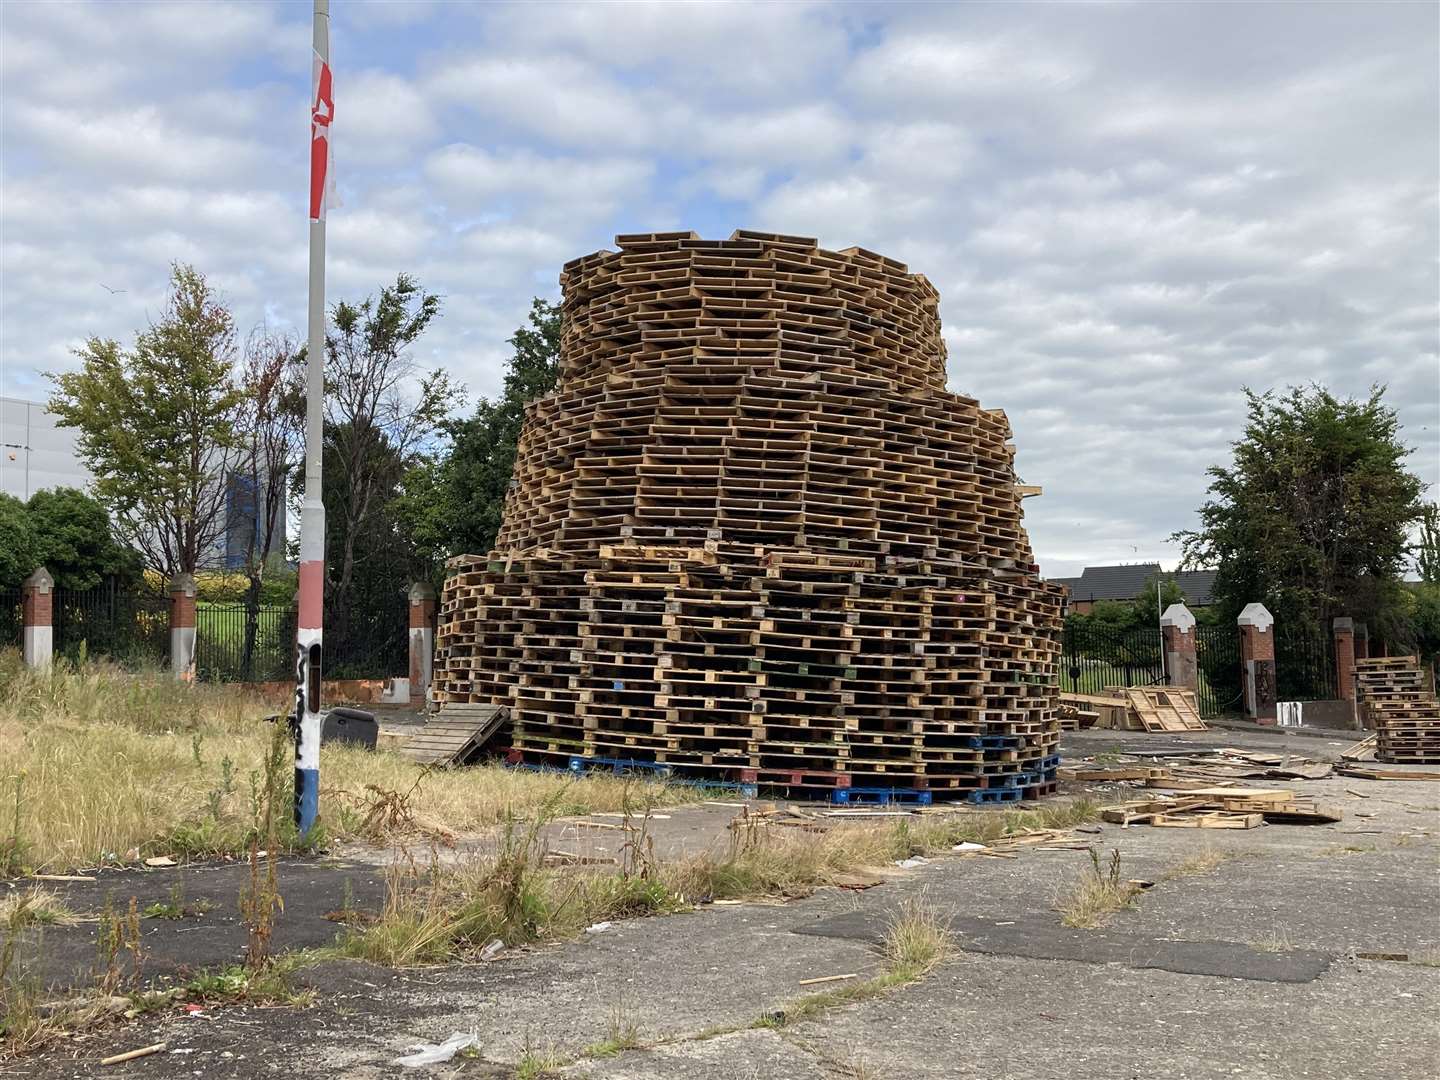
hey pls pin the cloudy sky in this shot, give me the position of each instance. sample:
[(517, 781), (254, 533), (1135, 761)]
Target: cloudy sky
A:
[(1130, 210)]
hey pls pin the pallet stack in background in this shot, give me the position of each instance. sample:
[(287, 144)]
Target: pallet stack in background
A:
[(1393, 698), (752, 537)]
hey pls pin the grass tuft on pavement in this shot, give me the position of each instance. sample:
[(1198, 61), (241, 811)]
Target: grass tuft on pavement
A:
[(1097, 894)]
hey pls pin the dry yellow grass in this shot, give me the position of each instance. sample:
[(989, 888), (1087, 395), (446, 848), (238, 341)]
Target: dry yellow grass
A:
[(918, 938), (35, 906), (101, 765), (1096, 894)]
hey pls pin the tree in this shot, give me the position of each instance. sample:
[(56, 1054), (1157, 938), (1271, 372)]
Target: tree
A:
[(381, 414), (1427, 551), (460, 504), (271, 449), (157, 425), (1312, 514), (19, 552), (75, 542)]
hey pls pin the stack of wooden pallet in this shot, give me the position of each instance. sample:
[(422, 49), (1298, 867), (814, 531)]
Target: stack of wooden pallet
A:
[(752, 535), (1393, 698)]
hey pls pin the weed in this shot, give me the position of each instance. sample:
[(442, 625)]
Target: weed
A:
[(12, 848), (118, 934), (622, 1033), (918, 938), (534, 1064), (175, 907), (35, 906), (915, 941), (1426, 957), (1098, 894), (271, 985), (260, 902), (1276, 941), (1203, 861)]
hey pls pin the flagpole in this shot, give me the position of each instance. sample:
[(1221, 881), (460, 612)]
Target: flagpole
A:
[(308, 717)]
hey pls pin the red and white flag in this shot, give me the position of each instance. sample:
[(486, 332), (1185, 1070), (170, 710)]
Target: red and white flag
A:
[(322, 159)]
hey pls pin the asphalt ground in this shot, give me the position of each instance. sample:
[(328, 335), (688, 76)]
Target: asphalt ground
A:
[(1253, 966)]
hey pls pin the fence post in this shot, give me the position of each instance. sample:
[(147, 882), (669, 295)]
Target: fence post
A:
[(1257, 662), (1345, 661), (1177, 631), (1362, 641), (182, 627), (38, 610), (422, 640)]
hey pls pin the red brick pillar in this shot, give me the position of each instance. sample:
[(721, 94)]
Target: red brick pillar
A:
[(1345, 661), (182, 627), (1257, 662), (37, 598), (422, 640), (1177, 631)]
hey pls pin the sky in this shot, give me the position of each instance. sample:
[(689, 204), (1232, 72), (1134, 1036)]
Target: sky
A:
[(1131, 211)]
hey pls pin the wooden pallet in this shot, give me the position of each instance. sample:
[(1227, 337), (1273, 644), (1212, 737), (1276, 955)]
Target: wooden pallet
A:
[(1392, 697), (751, 530), (1164, 709), (456, 735)]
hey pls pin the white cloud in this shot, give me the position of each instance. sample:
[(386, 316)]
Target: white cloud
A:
[(1130, 211)]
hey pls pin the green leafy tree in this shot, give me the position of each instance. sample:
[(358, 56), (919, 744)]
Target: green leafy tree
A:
[(19, 552), (1312, 515), (75, 541), (157, 425), (1427, 551), (382, 413), (460, 500)]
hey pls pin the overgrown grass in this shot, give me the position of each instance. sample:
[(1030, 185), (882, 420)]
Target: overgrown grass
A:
[(434, 913), (106, 766), (35, 906), (1097, 894)]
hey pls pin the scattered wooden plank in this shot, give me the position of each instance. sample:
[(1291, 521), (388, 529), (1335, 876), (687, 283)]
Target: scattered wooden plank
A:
[(131, 1055), (1208, 819), (827, 979), (1368, 773)]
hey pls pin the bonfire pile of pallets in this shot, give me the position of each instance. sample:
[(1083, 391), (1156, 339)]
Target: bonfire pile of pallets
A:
[(1393, 698), (751, 536)]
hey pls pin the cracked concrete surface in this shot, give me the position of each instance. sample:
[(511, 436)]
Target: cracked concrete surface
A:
[(1275, 891)]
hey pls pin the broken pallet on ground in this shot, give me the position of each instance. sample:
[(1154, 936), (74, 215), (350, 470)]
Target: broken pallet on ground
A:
[(1164, 708), (1223, 808), (458, 733)]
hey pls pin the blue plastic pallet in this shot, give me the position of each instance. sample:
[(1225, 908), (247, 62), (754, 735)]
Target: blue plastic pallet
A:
[(1050, 762), (993, 742), (846, 796), (579, 764), (994, 795)]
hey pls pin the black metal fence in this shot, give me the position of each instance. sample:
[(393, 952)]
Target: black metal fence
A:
[(370, 641), (234, 644), (130, 628), (1096, 656), (231, 645), (11, 616), (1217, 662), (1304, 663)]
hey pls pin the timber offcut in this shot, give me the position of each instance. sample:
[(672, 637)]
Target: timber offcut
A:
[(752, 537)]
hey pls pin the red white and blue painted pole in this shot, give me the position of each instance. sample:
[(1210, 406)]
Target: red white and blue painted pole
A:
[(308, 717)]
